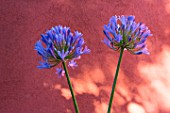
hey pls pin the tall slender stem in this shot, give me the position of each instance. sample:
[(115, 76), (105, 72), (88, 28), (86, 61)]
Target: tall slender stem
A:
[(115, 80), (71, 89)]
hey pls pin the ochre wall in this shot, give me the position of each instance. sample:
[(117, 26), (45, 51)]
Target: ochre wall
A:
[(143, 83)]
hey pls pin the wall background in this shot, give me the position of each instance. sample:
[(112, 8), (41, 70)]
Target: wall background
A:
[(143, 83)]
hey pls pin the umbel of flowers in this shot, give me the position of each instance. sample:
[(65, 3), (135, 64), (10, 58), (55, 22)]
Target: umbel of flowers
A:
[(61, 45), (123, 31)]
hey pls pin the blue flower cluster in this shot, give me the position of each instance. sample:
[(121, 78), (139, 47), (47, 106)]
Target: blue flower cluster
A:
[(60, 45), (123, 31)]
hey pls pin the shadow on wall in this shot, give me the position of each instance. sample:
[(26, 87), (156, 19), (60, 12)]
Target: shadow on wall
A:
[(149, 97)]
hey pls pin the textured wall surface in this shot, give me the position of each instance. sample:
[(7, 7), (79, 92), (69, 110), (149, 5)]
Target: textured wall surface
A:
[(143, 83)]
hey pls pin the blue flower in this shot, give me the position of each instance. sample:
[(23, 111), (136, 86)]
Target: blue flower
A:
[(60, 72), (123, 31), (72, 64), (60, 45)]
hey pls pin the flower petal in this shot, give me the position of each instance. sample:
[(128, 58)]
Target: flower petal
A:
[(72, 64), (60, 72), (118, 38), (143, 51), (44, 65)]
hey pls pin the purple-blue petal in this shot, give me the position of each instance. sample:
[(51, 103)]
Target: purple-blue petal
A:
[(123, 20), (107, 42), (118, 38), (44, 65), (143, 51), (86, 50), (72, 64), (107, 35), (80, 42), (60, 72)]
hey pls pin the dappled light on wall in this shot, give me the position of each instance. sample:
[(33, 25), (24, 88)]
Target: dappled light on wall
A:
[(150, 96), (167, 6), (156, 91)]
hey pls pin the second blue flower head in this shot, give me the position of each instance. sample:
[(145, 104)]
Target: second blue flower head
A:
[(123, 31)]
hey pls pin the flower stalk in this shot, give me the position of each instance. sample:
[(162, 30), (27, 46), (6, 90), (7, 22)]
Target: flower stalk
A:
[(122, 32), (70, 86), (115, 80)]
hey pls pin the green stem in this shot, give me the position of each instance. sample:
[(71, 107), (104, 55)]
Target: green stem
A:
[(115, 80), (70, 86)]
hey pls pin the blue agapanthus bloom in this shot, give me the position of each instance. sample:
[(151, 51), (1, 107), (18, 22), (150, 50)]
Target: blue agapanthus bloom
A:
[(60, 45), (123, 31)]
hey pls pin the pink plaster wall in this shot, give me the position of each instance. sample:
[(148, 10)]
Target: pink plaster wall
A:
[(144, 81)]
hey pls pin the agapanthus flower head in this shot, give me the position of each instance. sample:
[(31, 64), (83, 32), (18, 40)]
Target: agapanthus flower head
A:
[(124, 32), (60, 45)]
